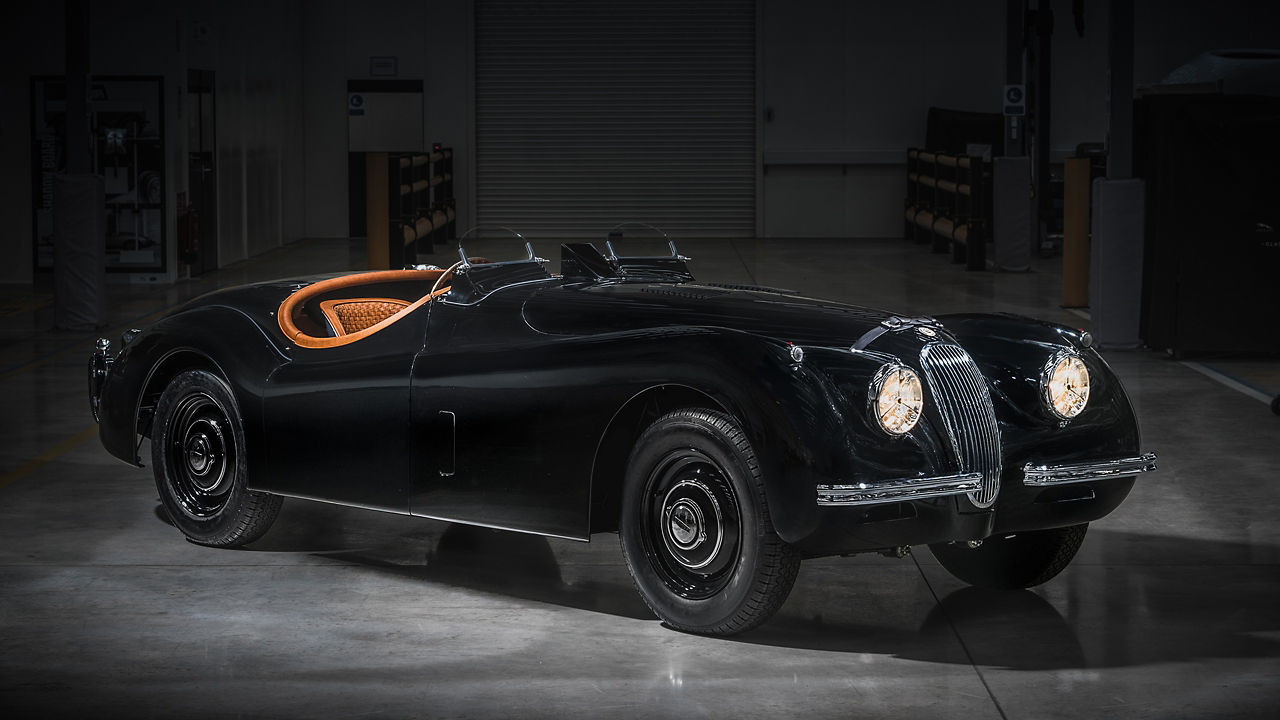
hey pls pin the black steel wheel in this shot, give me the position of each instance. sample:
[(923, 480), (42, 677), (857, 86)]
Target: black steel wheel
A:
[(197, 452), (1014, 561), (695, 527)]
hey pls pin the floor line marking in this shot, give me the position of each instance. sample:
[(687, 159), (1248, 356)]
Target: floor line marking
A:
[(48, 456), (955, 630), (1220, 377)]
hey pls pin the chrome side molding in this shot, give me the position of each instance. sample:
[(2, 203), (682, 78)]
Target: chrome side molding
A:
[(1044, 475), (900, 490)]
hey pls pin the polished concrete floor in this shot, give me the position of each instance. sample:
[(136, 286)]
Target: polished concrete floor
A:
[(1171, 610)]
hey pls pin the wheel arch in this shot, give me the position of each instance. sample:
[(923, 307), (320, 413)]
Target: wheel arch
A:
[(168, 367), (779, 404), (620, 436)]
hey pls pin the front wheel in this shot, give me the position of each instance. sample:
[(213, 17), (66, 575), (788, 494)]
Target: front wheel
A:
[(197, 453), (1016, 561), (695, 527)]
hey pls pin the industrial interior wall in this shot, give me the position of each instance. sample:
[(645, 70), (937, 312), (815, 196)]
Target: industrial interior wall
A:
[(254, 50), (846, 88), (256, 53), (22, 56), (430, 41), (854, 81)]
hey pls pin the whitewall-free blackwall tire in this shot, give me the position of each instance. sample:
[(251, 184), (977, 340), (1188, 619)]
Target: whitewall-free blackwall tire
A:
[(198, 456), (695, 526)]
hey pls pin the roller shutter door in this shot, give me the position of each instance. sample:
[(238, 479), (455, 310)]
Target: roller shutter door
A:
[(593, 113)]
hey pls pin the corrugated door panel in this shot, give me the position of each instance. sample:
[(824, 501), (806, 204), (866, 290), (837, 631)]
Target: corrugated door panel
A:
[(593, 113)]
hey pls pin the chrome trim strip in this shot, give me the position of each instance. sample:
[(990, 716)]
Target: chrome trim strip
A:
[(969, 419), (1045, 475), (899, 490)]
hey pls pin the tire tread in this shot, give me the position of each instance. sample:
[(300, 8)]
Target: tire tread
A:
[(256, 511)]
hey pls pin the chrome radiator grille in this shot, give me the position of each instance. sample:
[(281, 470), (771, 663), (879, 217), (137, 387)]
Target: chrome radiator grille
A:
[(961, 394)]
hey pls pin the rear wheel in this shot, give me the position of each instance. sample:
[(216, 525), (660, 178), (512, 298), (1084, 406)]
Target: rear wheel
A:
[(197, 453), (1016, 561), (695, 527)]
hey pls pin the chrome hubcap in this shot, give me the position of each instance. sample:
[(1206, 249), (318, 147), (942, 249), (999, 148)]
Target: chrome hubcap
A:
[(198, 459), (692, 523), (684, 522)]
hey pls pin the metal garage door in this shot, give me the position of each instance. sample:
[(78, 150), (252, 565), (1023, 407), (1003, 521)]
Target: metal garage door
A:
[(593, 113)]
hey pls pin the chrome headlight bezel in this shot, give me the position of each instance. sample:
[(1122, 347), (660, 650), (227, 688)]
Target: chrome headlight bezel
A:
[(915, 406), (1066, 361)]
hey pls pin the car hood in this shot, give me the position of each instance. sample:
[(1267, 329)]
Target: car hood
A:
[(584, 309)]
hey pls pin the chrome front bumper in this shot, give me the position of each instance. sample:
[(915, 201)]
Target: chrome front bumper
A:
[(1048, 475), (899, 490), (906, 489)]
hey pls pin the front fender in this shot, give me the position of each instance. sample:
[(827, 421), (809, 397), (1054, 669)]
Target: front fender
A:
[(809, 423), (1012, 352), (217, 338)]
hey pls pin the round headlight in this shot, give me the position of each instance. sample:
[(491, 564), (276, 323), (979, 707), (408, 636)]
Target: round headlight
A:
[(898, 398), (1066, 385)]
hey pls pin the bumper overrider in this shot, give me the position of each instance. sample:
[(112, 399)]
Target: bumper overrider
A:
[(1033, 475), (99, 368)]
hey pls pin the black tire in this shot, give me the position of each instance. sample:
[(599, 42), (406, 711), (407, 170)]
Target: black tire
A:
[(1017, 561), (198, 456), (695, 527)]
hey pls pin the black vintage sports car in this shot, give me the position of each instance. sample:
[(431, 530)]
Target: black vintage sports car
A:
[(724, 431)]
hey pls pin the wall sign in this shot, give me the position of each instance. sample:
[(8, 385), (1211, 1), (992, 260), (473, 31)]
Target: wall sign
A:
[(1015, 100)]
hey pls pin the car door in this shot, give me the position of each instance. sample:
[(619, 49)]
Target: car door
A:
[(337, 419), (504, 435)]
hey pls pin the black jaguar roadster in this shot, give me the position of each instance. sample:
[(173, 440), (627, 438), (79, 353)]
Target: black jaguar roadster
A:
[(725, 432)]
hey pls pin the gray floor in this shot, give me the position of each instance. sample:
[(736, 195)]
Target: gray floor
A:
[(1172, 608)]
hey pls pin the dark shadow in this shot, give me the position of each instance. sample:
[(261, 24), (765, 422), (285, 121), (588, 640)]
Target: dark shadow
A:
[(1138, 600), (1044, 640), (522, 566), (1018, 630), (495, 561), (163, 515), (1130, 599)]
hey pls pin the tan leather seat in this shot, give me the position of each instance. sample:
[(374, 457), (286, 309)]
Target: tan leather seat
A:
[(353, 318), (351, 315)]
